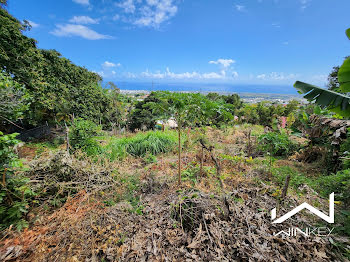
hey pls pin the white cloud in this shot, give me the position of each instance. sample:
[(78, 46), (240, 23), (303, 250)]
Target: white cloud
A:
[(286, 43), (274, 76), (148, 13), (116, 17), (185, 75), (168, 74), (277, 25), (148, 74), (262, 76), (130, 75), (240, 8), (223, 62), (304, 4), (83, 20), (212, 75), (82, 2), (127, 5), (110, 64), (33, 24), (78, 30)]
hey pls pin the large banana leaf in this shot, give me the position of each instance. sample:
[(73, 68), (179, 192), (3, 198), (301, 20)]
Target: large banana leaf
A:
[(344, 72), (344, 76), (334, 101)]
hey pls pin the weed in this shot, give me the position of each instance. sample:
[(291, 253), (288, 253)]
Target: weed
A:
[(153, 142), (150, 158), (277, 144), (81, 136)]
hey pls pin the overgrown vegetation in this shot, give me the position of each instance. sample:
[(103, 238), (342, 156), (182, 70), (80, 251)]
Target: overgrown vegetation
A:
[(142, 144), (277, 144), (81, 135), (16, 195)]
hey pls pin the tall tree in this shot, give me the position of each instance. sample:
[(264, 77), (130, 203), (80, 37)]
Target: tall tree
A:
[(187, 110), (58, 87), (333, 83)]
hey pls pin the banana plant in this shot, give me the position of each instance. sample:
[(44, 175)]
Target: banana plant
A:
[(334, 101)]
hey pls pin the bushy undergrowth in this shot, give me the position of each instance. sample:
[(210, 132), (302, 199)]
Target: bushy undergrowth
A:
[(338, 183), (153, 142), (15, 193), (296, 179), (277, 144), (81, 136)]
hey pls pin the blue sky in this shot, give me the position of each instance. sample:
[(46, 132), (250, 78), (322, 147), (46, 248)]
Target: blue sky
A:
[(194, 41)]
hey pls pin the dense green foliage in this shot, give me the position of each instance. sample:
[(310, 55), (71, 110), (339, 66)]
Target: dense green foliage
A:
[(142, 144), (142, 116), (81, 134), (265, 113), (14, 99), (277, 144), (338, 183), (15, 192), (59, 89), (191, 109)]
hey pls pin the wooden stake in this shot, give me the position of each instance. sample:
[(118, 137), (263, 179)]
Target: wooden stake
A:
[(179, 161), (67, 138), (218, 168), (285, 188), (202, 161)]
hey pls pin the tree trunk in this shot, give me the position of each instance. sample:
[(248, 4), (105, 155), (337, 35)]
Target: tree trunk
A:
[(179, 150)]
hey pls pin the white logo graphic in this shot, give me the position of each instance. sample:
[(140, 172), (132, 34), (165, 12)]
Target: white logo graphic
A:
[(329, 219)]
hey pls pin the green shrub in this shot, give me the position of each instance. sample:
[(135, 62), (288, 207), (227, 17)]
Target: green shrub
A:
[(191, 173), (338, 183), (81, 136), (15, 193), (296, 179), (277, 144), (150, 158), (153, 142)]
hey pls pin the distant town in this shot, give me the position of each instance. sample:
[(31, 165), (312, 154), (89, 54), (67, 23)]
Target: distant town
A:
[(251, 98)]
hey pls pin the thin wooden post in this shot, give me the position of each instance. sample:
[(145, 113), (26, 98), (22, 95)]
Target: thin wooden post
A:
[(249, 143), (67, 138), (202, 161), (285, 188), (216, 162), (179, 161)]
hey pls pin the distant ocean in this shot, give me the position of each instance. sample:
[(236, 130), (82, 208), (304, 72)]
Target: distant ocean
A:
[(219, 88)]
